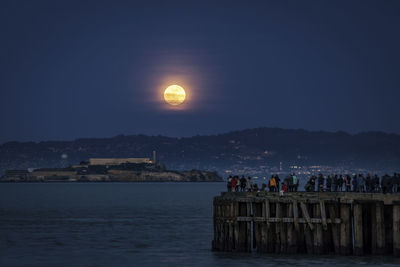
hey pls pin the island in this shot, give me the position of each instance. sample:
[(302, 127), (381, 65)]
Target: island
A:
[(111, 170)]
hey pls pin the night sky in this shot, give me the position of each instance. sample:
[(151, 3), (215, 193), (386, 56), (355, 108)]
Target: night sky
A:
[(71, 69)]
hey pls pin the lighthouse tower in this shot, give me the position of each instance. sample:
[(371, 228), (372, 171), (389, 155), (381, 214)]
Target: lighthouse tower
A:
[(154, 157)]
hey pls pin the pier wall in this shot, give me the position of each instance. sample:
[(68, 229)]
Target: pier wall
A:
[(313, 223)]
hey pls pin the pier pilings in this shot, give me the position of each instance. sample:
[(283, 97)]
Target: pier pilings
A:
[(307, 222)]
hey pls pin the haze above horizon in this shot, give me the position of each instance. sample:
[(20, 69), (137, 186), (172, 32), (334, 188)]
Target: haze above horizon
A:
[(209, 135)]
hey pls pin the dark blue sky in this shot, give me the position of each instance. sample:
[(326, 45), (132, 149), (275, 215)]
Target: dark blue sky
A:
[(74, 69)]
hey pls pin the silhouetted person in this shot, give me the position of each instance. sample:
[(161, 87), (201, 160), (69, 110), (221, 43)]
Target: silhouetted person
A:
[(310, 185), (277, 180), (360, 183), (255, 188), (384, 184), (329, 183), (234, 183), (368, 183), (396, 182), (320, 182), (295, 182), (289, 183), (229, 184), (354, 183), (272, 184), (347, 181), (263, 186), (243, 182), (312, 182), (335, 183), (340, 182), (390, 184), (284, 187), (249, 184), (376, 183)]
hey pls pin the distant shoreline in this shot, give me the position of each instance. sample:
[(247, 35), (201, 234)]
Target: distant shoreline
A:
[(112, 170), (103, 182)]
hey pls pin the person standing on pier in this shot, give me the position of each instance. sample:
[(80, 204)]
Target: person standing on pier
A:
[(263, 186), (295, 182), (277, 180), (249, 184), (390, 184), (329, 183), (284, 187), (255, 188), (285, 180), (384, 183), (396, 182), (270, 187), (335, 183), (347, 183), (368, 183), (272, 184), (354, 182), (243, 182), (360, 183), (341, 182), (289, 183), (363, 183), (229, 184), (312, 183), (234, 183), (320, 182), (237, 188), (377, 184)]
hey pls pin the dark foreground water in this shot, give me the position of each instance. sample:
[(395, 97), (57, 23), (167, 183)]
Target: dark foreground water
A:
[(124, 224)]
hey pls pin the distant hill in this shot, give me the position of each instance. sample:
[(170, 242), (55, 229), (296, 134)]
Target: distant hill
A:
[(250, 148)]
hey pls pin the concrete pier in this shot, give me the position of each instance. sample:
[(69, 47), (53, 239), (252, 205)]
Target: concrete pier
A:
[(307, 222)]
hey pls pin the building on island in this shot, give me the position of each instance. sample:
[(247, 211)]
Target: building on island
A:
[(118, 161), (93, 169)]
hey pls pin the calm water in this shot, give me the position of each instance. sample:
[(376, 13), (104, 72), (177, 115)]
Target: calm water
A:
[(124, 224)]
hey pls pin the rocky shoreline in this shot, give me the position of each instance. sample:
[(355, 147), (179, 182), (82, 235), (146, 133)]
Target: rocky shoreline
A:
[(117, 176)]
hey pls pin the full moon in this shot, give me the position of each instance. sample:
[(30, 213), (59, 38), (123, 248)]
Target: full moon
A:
[(174, 95)]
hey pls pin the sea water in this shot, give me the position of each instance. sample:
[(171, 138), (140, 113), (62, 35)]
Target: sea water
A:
[(125, 224)]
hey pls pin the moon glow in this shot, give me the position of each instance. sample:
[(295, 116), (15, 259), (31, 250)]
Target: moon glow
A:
[(174, 95)]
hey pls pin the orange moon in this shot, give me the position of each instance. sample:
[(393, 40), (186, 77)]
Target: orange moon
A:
[(174, 95)]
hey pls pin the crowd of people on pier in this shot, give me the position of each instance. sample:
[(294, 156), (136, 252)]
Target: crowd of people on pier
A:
[(289, 184), (331, 183), (354, 183)]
